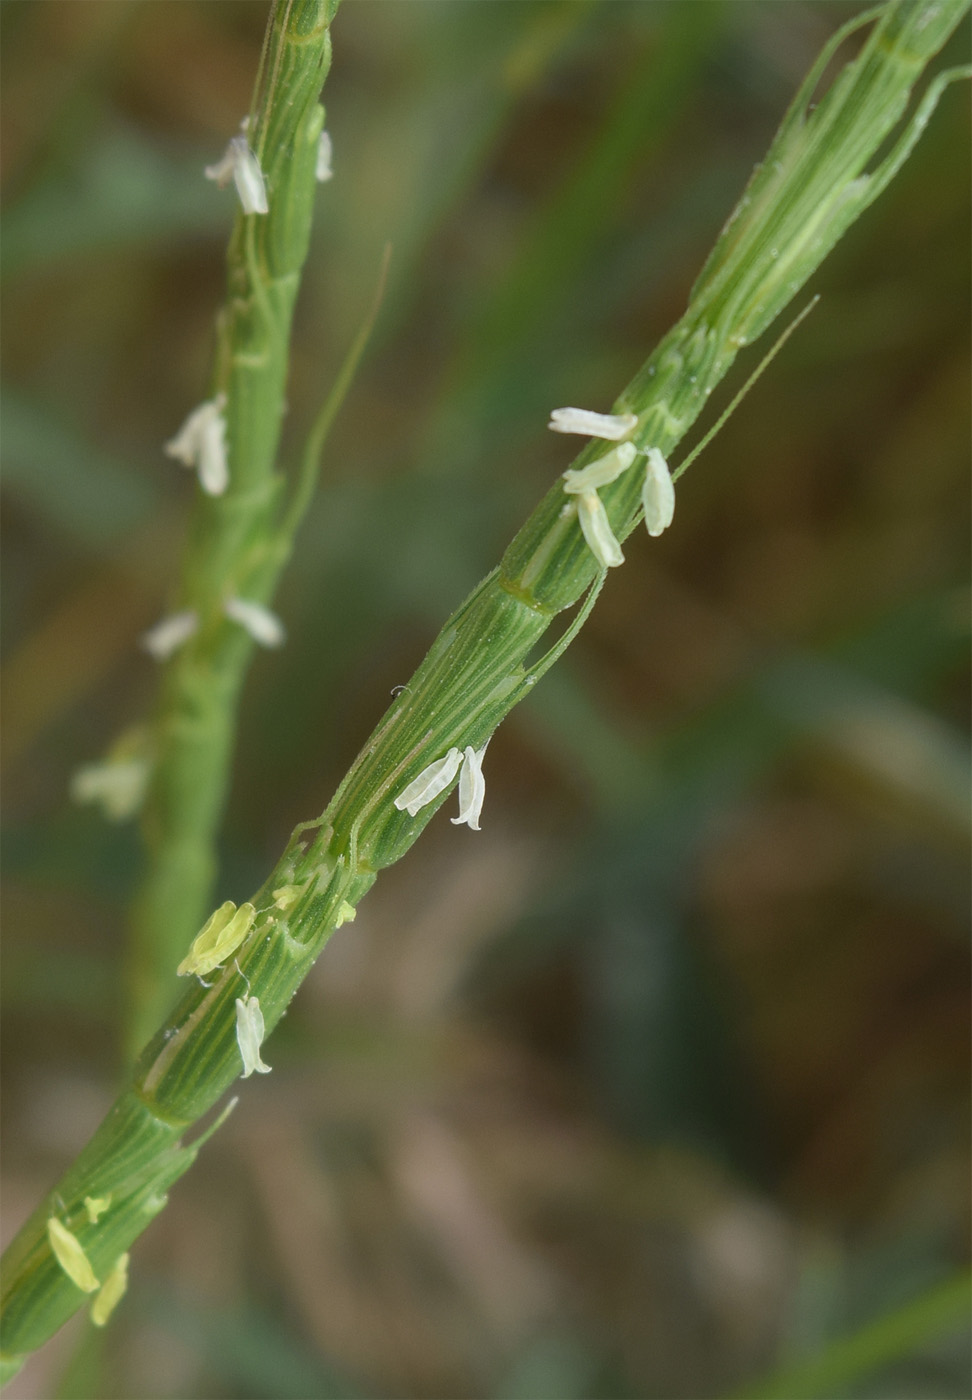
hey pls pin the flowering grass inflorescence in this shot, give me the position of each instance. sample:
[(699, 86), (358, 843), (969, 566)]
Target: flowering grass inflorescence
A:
[(812, 185)]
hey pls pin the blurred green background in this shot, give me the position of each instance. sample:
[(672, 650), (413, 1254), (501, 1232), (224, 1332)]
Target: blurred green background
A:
[(661, 1082)]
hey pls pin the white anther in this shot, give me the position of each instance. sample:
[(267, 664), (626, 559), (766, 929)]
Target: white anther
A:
[(472, 788), (212, 466), (239, 164), (597, 530), (613, 426), (263, 625), (602, 472), (429, 783), (325, 150), (222, 171), (658, 493), (117, 786), (201, 443), (170, 634), (250, 1032)]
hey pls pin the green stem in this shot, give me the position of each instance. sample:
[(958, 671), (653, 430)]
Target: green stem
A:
[(237, 544), (321, 427), (476, 671)]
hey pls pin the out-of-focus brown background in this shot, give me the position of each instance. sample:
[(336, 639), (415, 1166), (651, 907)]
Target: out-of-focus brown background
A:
[(661, 1080)]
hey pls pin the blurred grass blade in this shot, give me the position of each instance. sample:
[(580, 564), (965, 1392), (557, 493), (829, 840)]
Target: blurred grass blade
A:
[(85, 494), (864, 1353), (122, 192)]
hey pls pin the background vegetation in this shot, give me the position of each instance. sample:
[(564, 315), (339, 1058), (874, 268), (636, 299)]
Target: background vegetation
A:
[(661, 1080)]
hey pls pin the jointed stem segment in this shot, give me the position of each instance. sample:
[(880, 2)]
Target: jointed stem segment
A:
[(240, 539)]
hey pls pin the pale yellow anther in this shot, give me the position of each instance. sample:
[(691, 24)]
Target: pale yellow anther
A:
[(287, 896), (95, 1207), (218, 939), (112, 1291), (71, 1257)]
